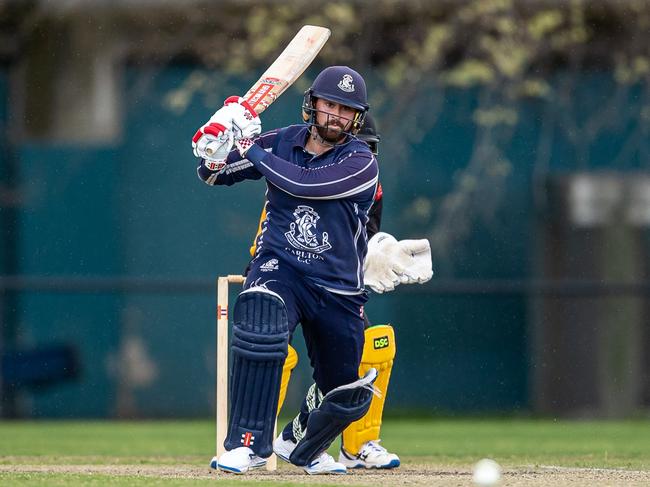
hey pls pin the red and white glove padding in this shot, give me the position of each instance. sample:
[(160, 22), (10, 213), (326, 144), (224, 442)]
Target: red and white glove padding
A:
[(390, 263), (246, 124), (235, 120), (215, 138), (243, 145)]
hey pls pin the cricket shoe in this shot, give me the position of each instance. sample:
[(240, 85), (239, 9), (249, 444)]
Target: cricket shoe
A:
[(324, 464), (238, 460), (371, 455), (283, 448)]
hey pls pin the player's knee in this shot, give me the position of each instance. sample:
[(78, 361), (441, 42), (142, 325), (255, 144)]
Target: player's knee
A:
[(260, 325), (379, 347)]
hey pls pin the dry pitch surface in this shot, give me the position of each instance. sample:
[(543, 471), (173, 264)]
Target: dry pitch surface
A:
[(435, 452), (409, 475)]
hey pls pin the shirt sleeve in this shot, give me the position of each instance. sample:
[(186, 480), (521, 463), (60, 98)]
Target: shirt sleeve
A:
[(351, 174), (237, 168), (374, 214)]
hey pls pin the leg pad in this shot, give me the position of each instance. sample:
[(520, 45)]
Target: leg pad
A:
[(289, 364), (379, 353), (259, 349), (338, 409)]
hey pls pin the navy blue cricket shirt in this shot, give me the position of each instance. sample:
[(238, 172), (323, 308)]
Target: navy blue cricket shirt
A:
[(317, 206)]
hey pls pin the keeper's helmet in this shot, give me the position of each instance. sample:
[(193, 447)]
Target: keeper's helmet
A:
[(339, 84), (369, 135)]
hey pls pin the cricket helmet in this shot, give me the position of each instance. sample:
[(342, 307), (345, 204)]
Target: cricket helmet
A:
[(369, 135), (339, 84)]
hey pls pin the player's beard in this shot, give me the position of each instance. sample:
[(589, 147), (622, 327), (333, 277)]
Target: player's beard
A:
[(331, 133)]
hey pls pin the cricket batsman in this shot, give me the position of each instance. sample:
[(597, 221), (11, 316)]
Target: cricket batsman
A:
[(308, 267), (360, 446)]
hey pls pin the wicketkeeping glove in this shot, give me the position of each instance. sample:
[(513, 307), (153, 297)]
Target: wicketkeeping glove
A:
[(380, 274), (414, 256), (390, 263)]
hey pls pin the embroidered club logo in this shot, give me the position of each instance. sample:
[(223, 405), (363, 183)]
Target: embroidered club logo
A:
[(247, 439), (303, 235), (346, 83), (271, 265)]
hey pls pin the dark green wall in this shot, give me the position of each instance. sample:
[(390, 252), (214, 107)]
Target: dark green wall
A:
[(137, 209)]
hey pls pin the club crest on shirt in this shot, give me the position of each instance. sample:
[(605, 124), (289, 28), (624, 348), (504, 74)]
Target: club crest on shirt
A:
[(302, 234)]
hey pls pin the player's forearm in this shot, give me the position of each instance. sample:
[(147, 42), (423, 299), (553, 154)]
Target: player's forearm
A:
[(235, 170), (340, 180)]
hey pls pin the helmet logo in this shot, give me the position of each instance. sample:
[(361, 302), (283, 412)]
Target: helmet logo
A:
[(346, 83)]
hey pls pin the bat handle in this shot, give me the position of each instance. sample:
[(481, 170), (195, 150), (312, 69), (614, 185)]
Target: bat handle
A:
[(215, 146)]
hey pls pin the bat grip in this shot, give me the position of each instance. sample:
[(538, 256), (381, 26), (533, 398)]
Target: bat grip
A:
[(215, 146)]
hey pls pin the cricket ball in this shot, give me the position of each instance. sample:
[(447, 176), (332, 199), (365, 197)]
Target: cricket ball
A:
[(487, 473)]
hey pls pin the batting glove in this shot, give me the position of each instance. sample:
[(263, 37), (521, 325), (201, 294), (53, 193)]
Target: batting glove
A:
[(215, 138), (246, 124), (243, 145)]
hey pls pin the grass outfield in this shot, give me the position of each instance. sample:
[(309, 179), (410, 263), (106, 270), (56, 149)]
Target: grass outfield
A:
[(433, 452)]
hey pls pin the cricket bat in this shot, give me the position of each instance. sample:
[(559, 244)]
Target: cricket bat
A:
[(286, 69)]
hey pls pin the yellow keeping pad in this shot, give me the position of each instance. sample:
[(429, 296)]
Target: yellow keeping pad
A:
[(289, 364), (378, 352), (379, 347)]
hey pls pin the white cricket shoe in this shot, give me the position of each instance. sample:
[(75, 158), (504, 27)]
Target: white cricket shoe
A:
[(283, 448), (238, 460), (325, 464), (371, 455)]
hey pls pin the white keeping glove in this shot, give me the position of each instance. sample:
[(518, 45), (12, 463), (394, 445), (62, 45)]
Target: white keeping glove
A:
[(390, 263), (215, 138), (379, 274), (415, 257), (246, 124)]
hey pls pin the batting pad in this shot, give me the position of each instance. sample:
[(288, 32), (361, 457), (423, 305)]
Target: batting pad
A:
[(259, 349), (378, 353), (339, 408), (289, 364)]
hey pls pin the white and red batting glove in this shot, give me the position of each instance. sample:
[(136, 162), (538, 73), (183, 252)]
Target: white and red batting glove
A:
[(243, 145), (214, 139), (390, 263), (246, 124), (235, 120)]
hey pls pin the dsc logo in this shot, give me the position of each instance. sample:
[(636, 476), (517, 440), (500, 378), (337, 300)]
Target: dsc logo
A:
[(381, 342)]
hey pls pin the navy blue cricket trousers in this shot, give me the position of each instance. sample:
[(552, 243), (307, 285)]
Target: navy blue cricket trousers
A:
[(332, 324)]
